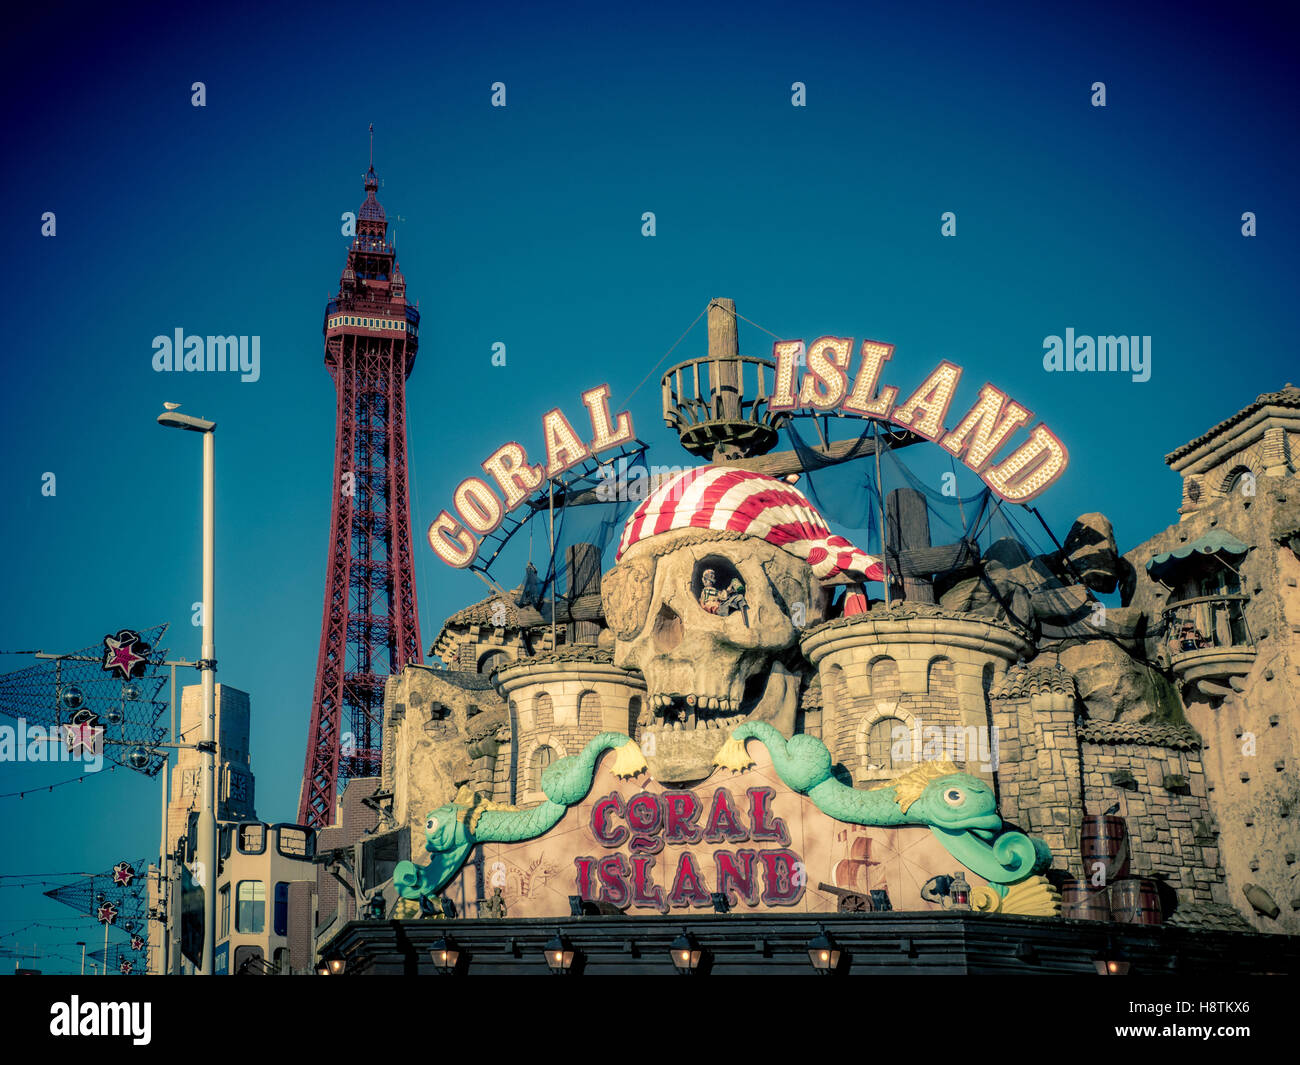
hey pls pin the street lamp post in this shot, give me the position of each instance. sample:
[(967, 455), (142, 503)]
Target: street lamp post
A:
[(207, 827), (82, 944)]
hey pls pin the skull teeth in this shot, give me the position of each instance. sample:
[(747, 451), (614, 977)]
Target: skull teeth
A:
[(691, 710)]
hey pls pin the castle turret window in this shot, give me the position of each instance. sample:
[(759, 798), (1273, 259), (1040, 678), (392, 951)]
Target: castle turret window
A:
[(884, 749), (542, 757)]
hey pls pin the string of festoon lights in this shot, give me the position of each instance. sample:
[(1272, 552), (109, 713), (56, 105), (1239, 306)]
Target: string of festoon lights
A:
[(50, 787)]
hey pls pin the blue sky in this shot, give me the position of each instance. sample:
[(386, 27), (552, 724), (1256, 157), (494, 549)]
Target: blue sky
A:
[(523, 225)]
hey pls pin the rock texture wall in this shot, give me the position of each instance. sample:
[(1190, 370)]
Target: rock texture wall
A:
[(1172, 832), (560, 702), (442, 731), (1038, 777), (1251, 748)]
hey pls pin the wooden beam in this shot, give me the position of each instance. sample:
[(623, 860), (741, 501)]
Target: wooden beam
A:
[(724, 349), (776, 464), (782, 463), (907, 524)]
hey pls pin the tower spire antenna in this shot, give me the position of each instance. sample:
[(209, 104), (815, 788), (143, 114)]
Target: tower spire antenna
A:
[(371, 341), (372, 146)]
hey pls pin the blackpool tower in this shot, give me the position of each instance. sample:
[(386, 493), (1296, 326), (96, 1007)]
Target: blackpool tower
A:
[(370, 627)]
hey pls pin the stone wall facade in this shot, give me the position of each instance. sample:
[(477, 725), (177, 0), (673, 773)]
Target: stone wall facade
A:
[(1038, 777), (909, 667), (1173, 836), (558, 704), (1248, 718)]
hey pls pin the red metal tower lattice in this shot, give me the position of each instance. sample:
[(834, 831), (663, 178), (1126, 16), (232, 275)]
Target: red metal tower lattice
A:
[(371, 625)]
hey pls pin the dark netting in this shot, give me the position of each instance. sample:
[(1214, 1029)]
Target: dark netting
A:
[(942, 531), (949, 539), (599, 508), (846, 494)]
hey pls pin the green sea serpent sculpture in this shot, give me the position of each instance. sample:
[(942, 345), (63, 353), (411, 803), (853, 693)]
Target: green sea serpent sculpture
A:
[(960, 809)]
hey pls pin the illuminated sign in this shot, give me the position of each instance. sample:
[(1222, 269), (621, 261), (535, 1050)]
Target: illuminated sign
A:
[(480, 504), (980, 433), (480, 507), (652, 849)]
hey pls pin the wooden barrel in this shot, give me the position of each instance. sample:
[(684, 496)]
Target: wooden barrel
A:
[(1079, 902), (1104, 839), (1135, 901)]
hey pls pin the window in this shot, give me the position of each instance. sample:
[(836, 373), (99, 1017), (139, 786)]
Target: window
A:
[(1240, 480), (590, 714), (252, 839), (250, 912), (280, 919), (542, 757), (492, 661), (224, 909), (941, 677), (884, 751), (884, 678)]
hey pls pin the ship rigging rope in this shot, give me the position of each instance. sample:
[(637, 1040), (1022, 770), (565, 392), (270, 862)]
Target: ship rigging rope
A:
[(734, 315), (665, 355)]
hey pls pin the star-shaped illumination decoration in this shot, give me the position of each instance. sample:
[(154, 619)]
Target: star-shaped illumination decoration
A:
[(83, 733), (125, 967), (125, 654), (123, 874), (137, 942), (106, 914)]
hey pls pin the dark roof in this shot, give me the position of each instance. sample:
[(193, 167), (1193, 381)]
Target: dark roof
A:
[(1285, 397), (901, 609), (1116, 733), (461, 678), (1020, 681), (1212, 543), (481, 613), (578, 652)]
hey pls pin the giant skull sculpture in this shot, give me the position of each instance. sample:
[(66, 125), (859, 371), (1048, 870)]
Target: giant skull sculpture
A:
[(718, 571)]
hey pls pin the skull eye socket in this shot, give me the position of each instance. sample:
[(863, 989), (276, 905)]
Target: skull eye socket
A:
[(713, 580), (667, 629)]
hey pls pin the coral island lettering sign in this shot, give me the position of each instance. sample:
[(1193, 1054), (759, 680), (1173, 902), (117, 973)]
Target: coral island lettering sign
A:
[(481, 503), (665, 824), (481, 509), (609, 833), (979, 435)]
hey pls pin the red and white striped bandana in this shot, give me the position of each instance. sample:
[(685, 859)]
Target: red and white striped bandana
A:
[(723, 498)]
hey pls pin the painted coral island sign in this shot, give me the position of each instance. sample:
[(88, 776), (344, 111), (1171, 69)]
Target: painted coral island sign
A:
[(480, 503), (771, 828)]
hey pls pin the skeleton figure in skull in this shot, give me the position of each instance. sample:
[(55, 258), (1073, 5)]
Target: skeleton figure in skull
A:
[(718, 572), (716, 601)]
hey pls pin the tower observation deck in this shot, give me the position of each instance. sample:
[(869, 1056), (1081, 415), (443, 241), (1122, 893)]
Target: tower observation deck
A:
[(370, 625)]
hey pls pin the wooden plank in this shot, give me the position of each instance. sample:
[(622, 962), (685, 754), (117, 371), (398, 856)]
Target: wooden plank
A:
[(907, 524), (927, 561), (781, 463), (724, 348)]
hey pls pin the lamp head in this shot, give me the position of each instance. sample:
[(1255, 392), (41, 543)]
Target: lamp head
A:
[(173, 420)]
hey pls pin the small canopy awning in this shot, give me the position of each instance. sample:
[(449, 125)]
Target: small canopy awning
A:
[(1214, 542)]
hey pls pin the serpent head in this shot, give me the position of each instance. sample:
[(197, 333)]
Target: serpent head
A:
[(445, 830), (957, 801)]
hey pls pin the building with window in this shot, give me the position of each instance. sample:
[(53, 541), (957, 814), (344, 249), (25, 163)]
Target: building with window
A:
[(1224, 581), (259, 864), (794, 752)]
